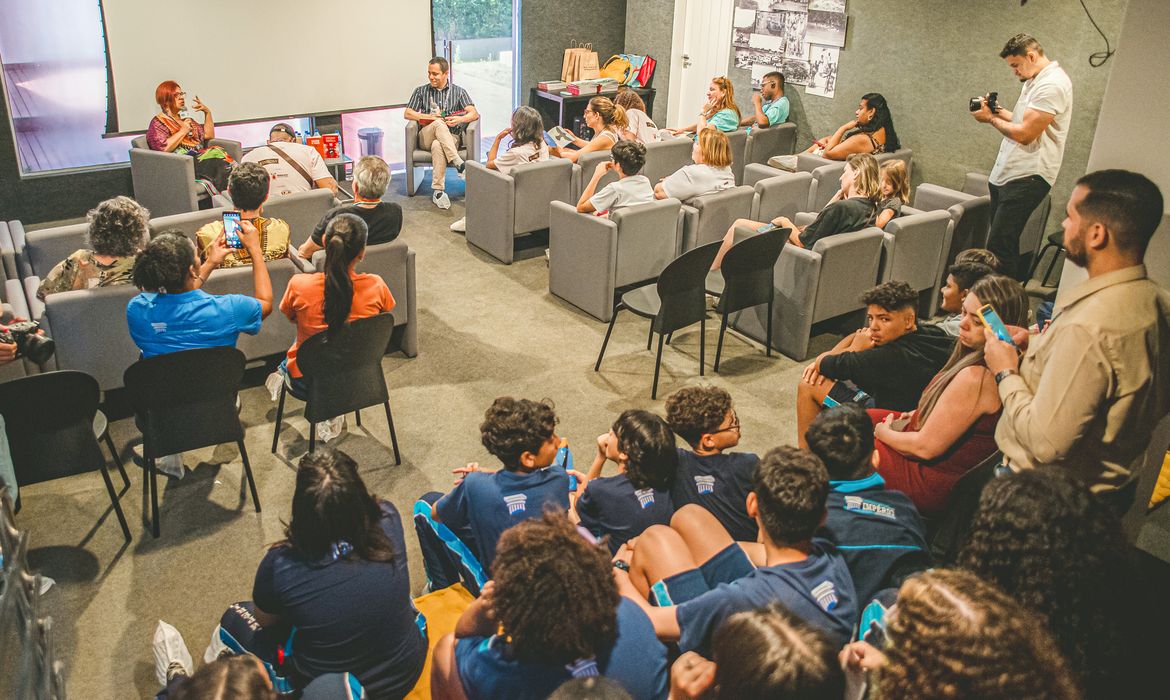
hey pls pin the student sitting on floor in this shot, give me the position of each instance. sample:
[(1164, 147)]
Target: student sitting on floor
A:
[(878, 531), (620, 507), (887, 364), (699, 576), (457, 532), (632, 187), (717, 481)]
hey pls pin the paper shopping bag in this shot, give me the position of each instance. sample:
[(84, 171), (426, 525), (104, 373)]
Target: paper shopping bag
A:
[(588, 67)]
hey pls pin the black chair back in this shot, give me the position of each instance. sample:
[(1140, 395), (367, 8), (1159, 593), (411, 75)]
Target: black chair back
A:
[(49, 421), (949, 531), (748, 270), (186, 400), (682, 289), (345, 371)]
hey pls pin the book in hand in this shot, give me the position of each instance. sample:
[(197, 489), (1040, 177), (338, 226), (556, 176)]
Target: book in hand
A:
[(561, 136)]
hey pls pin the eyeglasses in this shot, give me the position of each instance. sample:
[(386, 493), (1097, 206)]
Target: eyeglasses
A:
[(735, 425), (180, 94)]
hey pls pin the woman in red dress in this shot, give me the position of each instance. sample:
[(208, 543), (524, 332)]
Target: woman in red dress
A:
[(924, 452)]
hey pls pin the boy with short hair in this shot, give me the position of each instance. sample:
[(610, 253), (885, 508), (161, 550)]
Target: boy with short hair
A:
[(877, 530), (707, 476), (960, 277), (627, 158), (699, 576), (457, 532)]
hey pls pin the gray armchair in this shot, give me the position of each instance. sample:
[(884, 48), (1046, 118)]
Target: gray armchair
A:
[(969, 211), (663, 158), (583, 171), (302, 212), (394, 263), (765, 142), (89, 327), (417, 159), (707, 217), (43, 249), (277, 333), (188, 223), (915, 251), (778, 193), (591, 256), (738, 141), (828, 172), (1032, 237), (812, 286), (164, 182), (501, 207)]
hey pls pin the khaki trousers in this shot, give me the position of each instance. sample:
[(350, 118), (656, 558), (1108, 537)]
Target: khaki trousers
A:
[(444, 147)]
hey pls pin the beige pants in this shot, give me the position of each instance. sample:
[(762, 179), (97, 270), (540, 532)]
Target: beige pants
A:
[(444, 148)]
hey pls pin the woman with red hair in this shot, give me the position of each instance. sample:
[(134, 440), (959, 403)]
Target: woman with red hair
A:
[(171, 132)]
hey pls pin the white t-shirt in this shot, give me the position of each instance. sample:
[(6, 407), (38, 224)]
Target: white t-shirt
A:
[(1049, 91), (283, 178), (697, 179), (626, 192), (519, 155), (642, 126)]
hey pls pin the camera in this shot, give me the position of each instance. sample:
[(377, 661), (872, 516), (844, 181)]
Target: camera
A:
[(992, 102), (23, 334)]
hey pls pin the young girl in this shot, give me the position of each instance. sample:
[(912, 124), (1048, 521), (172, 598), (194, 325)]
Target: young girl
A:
[(895, 192), (638, 496), (711, 171)]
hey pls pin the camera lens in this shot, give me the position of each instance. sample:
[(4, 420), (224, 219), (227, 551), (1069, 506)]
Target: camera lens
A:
[(39, 348)]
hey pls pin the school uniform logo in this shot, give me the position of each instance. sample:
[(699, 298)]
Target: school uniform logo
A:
[(583, 668), (645, 497), (516, 503), (705, 484), (858, 504), (826, 595)]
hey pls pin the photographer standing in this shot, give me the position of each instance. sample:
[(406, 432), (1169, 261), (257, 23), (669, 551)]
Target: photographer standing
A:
[(1033, 144)]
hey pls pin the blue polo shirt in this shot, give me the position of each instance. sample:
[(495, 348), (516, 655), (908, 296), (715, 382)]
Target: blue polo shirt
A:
[(877, 531), (818, 590), (637, 661), (493, 502), (165, 323), (612, 506), (776, 111), (720, 483)]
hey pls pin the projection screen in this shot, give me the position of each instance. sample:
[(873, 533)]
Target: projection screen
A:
[(261, 59)]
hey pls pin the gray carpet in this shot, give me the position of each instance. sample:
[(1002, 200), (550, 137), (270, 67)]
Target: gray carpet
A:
[(486, 330)]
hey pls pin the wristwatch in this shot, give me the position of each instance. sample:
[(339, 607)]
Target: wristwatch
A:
[(623, 565), (999, 376)]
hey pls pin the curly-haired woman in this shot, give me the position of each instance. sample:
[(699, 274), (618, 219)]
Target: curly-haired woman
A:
[(952, 635), (551, 613), (118, 228), (1045, 540)]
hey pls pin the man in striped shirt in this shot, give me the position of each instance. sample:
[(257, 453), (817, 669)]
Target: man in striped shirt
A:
[(443, 111)]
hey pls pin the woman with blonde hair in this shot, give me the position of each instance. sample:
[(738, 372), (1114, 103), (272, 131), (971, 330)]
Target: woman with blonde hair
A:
[(711, 171), (720, 111), (923, 453), (895, 192), (607, 121), (851, 209)]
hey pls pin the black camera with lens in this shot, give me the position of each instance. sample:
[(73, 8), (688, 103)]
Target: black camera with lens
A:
[(992, 102), (23, 334)]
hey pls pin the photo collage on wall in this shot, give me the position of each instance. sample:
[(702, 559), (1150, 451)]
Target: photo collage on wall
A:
[(800, 38)]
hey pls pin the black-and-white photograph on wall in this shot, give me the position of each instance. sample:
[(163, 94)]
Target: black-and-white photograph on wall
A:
[(790, 5), (745, 58), (795, 71), (740, 38), (822, 62), (794, 35), (827, 5), (826, 28)]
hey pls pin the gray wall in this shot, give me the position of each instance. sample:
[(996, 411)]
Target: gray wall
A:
[(547, 27), (650, 31), (930, 56)]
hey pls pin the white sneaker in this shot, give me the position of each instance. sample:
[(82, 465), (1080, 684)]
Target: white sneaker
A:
[(169, 651), (441, 199), (460, 226), (327, 430), (273, 384)]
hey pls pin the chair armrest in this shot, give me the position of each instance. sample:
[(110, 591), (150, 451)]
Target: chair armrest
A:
[(164, 182), (8, 254), (471, 139), (808, 162), (929, 197), (301, 264), (15, 293), (976, 184), (804, 218), (582, 261), (411, 141), (688, 219), (235, 149), (36, 307), (491, 211), (19, 241)]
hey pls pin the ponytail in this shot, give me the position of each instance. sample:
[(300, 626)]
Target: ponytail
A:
[(345, 239)]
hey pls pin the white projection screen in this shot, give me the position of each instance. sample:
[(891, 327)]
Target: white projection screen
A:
[(260, 59)]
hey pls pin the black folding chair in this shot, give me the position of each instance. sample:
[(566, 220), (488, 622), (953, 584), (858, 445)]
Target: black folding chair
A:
[(183, 401), (50, 421), (675, 301), (344, 373), (746, 279)]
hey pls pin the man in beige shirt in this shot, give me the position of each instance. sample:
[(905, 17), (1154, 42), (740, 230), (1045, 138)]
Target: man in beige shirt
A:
[(1090, 389)]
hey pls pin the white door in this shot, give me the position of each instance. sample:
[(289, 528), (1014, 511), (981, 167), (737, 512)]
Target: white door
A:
[(702, 44)]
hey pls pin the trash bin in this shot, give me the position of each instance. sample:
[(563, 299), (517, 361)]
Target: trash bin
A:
[(371, 141)]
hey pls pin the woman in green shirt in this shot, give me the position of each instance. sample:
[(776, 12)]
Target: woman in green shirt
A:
[(720, 111)]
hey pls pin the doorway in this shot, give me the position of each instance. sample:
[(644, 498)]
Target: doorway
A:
[(701, 47)]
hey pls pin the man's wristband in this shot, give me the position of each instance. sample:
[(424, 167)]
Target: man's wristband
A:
[(1003, 374)]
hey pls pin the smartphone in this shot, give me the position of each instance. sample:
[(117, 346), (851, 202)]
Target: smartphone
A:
[(231, 229), (766, 228), (992, 320)]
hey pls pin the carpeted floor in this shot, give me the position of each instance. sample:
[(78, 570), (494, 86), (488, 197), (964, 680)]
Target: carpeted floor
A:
[(486, 330)]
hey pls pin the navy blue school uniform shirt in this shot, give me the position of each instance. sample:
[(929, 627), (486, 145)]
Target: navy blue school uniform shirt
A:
[(877, 531), (637, 661), (818, 590), (612, 506), (350, 615), (720, 483), (493, 502)]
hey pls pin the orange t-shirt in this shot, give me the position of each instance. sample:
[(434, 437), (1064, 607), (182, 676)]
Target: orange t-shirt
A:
[(304, 304)]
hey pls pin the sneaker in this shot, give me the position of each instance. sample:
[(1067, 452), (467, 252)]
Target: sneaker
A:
[(171, 657), (441, 199), (460, 226), (273, 384), (327, 430), (171, 465)]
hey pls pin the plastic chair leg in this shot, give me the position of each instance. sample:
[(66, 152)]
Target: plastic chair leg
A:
[(608, 331), (393, 434), (358, 417), (657, 366), (279, 417), (248, 474), (117, 460), (114, 502), (768, 338), (650, 337), (719, 345), (702, 346), (154, 519)]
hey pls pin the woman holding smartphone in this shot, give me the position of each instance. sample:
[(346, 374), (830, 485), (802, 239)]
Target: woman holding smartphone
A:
[(924, 452)]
